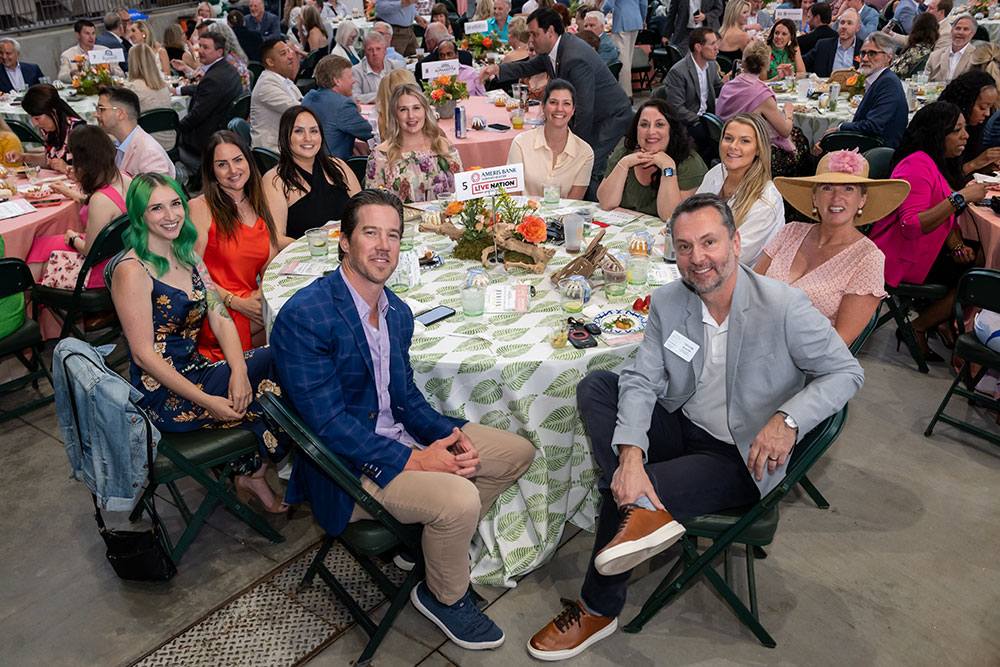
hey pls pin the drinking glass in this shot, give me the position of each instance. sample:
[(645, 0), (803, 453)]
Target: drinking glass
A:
[(638, 269), (318, 240), (551, 192)]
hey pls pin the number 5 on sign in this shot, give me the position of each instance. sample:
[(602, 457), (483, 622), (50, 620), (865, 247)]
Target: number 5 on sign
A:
[(489, 181)]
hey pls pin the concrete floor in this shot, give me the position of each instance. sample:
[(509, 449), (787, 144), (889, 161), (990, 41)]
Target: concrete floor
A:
[(901, 569)]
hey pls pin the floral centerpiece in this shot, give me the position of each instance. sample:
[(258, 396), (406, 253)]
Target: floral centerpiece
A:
[(976, 7), (370, 10), (481, 43), (90, 78), (477, 227), (444, 92), (855, 84)]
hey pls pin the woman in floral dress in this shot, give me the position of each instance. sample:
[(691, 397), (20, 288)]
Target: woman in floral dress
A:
[(163, 295), (415, 161)]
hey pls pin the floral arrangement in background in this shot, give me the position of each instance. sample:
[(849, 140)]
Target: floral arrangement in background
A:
[(370, 9), (444, 89), (481, 43), (979, 7), (90, 78), (856, 84)]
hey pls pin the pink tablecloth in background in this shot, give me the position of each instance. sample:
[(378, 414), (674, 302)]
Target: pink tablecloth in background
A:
[(19, 233), (983, 225), (482, 148)]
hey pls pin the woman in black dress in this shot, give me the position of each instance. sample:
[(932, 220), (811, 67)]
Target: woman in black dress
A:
[(307, 188)]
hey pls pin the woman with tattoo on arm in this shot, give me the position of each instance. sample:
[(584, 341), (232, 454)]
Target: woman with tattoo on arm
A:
[(163, 295)]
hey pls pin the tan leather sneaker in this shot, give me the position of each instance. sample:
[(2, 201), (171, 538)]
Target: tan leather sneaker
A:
[(570, 633), (642, 534)]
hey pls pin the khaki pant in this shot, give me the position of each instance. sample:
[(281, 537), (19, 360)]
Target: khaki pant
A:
[(625, 41), (403, 40), (450, 507)]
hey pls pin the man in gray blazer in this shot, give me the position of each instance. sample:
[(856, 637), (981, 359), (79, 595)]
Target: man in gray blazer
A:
[(733, 370), (602, 113), (686, 15), (693, 83)]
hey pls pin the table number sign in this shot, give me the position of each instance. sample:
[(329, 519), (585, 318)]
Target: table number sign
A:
[(105, 56), (433, 70), (475, 26), (489, 181), (793, 14)]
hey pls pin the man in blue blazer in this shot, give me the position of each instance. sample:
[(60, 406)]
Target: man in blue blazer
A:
[(15, 75), (883, 110), (341, 346), (338, 114)]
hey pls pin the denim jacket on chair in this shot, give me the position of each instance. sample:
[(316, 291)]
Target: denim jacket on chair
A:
[(108, 451)]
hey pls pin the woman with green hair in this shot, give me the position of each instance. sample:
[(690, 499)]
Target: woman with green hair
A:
[(163, 295)]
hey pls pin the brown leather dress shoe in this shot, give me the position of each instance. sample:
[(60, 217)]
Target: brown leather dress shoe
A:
[(570, 633), (642, 534)]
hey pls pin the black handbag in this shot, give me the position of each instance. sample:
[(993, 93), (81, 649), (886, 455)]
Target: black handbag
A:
[(135, 555)]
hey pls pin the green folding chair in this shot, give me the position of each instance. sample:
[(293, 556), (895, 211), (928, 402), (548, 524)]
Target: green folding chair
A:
[(641, 67), (843, 140), (753, 527), (255, 68), (241, 128), (207, 456), (359, 165), (725, 64), (265, 159), (879, 162), (899, 301), (238, 108), (25, 133), (855, 348), (977, 288), (71, 305), (162, 120), (362, 539), (15, 279)]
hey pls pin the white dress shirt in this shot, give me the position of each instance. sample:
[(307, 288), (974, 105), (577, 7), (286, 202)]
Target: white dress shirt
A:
[(953, 59), (702, 85), (707, 406), (694, 7), (554, 53), (16, 78)]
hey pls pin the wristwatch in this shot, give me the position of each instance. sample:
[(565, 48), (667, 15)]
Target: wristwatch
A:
[(789, 422), (957, 200), (668, 172)]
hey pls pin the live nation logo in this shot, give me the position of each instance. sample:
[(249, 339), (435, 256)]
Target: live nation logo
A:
[(489, 181)]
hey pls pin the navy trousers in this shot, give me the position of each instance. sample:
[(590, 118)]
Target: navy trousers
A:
[(692, 472)]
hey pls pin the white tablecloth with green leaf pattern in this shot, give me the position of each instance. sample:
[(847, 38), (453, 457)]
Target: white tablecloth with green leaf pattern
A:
[(513, 380)]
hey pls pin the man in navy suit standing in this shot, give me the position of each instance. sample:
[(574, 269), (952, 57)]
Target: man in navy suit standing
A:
[(113, 37), (883, 110), (341, 346), (14, 75)]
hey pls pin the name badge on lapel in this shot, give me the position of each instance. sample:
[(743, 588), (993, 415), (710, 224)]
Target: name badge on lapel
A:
[(681, 345)]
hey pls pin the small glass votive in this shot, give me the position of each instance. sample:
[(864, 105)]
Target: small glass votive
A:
[(318, 240), (517, 119)]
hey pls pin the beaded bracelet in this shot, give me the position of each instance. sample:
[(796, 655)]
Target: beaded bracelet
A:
[(228, 300)]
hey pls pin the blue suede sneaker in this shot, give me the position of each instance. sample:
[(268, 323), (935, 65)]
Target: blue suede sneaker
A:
[(462, 622)]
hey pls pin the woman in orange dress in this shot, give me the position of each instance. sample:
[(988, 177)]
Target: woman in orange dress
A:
[(236, 236)]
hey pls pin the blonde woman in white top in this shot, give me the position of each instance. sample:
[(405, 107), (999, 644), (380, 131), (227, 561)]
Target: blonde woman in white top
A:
[(552, 154), (145, 80), (139, 33), (743, 180)]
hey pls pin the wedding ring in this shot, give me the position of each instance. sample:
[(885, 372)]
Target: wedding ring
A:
[(772, 458)]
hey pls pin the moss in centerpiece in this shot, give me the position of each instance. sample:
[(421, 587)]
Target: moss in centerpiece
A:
[(472, 249)]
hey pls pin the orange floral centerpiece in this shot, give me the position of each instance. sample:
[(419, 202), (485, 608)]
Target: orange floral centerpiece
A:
[(90, 78), (443, 92), (481, 43)]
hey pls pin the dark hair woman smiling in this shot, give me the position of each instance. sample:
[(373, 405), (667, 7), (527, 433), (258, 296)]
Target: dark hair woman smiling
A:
[(50, 114)]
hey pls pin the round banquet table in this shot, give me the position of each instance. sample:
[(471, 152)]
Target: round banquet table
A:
[(482, 148), (508, 377), (814, 123), (20, 232), (983, 225), (83, 105)]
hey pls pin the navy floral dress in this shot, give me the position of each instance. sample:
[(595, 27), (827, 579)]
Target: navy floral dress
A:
[(176, 323)]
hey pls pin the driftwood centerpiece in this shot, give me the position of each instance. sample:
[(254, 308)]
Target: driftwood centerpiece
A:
[(586, 263), (514, 249), (479, 232)]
